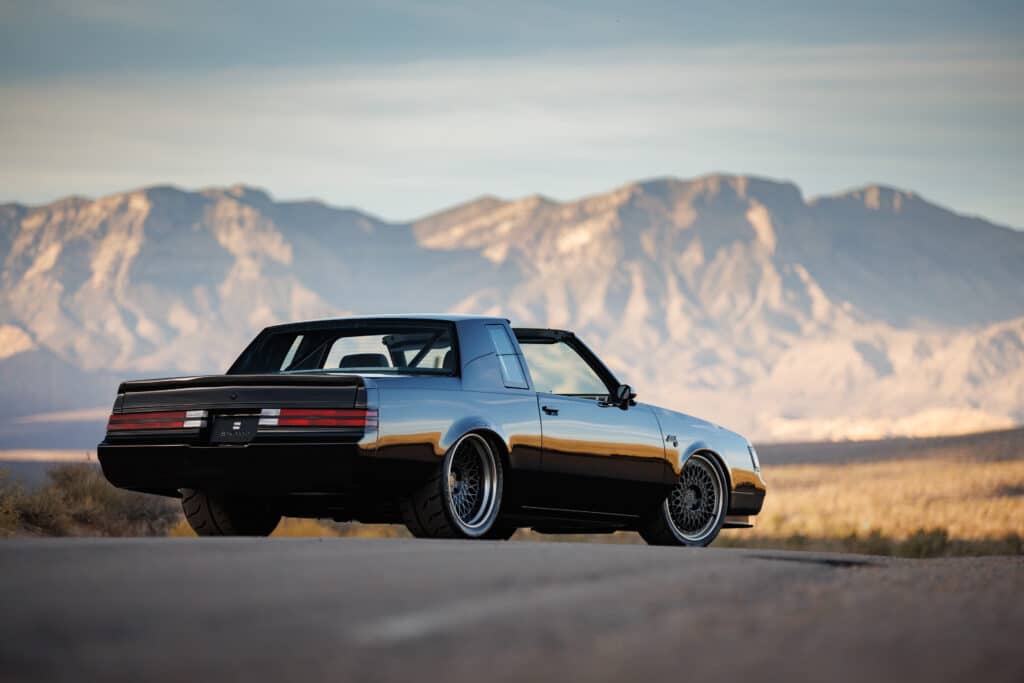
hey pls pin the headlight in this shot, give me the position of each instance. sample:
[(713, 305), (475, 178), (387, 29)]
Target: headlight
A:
[(753, 457)]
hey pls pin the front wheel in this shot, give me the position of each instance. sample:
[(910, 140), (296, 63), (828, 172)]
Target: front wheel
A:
[(214, 514), (462, 498), (693, 512)]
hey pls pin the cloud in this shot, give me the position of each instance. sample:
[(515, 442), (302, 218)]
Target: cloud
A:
[(84, 415), (403, 139)]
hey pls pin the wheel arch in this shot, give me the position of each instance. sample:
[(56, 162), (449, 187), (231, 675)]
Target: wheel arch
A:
[(499, 445), (705, 449), (478, 425)]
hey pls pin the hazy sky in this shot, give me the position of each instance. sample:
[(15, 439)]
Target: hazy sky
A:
[(402, 108)]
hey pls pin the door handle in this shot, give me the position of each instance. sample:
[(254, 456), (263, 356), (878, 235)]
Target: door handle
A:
[(549, 410)]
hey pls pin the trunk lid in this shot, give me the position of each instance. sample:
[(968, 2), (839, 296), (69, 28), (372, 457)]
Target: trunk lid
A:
[(239, 392), (239, 409)]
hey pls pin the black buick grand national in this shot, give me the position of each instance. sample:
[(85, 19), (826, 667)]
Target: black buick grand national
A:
[(456, 426)]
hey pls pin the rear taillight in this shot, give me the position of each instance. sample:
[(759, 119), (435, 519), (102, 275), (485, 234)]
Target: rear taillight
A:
[(318, 417), (168, 419)]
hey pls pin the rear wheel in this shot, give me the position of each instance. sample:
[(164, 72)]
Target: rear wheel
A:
[(462, 498), (693, 512), (213, 514)]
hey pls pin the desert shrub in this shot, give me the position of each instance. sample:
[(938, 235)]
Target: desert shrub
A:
[(797, 541), (289, 527), (78, 500), (925, 543), (44, 511), (1013, 544), (875, 543), (8, 505), (1010, 544)]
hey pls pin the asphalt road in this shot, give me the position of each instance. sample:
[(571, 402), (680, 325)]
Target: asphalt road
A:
[(389, 610)]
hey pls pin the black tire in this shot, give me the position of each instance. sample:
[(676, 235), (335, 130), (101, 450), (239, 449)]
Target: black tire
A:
[(212, 514), (500, 532), (687, 516), (445, 506)]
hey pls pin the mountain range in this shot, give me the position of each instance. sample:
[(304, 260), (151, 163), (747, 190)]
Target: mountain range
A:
[(869, 313)]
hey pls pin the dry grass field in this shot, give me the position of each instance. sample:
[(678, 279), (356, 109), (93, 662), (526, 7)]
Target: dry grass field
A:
[(946, 496), (970, 501)]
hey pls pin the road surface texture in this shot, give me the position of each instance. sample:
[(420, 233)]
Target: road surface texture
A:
[(406, 610)]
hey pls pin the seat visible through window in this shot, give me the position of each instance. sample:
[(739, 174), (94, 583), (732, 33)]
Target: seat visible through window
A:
[(364, 360)]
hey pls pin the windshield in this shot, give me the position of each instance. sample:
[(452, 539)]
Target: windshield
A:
[(371, 346)]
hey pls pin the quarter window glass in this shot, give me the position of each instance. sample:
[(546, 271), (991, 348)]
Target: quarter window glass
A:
[(558, 369), (500, 339), (511, 369), (512, 372)]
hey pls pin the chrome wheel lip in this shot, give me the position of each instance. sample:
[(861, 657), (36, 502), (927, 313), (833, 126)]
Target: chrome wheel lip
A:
[(716, 478), (482, 513)]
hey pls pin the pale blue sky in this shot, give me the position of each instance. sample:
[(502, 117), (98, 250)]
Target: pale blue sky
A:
[(407, 107)]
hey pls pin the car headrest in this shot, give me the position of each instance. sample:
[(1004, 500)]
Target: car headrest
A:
[(449, 360), (364, 360)]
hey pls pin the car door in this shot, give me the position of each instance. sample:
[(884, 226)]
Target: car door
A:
[(582, 433)]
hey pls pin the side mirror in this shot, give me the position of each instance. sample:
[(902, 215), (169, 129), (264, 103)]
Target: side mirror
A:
[(623, 396)]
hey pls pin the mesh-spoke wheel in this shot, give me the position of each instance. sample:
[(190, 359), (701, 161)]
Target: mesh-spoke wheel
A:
[(472, 476), (463, 497), (694, 510)]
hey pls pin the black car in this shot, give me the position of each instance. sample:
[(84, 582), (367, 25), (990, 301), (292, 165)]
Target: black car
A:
[(456, 426)]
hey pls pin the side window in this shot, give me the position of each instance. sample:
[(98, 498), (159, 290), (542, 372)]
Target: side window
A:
[(556, 368), (511, 369)]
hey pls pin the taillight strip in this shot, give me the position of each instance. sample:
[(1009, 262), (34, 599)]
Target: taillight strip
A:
[(323, 412), (318, 417), (164, 419)]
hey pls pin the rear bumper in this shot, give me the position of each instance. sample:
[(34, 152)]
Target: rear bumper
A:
[(269, 469)]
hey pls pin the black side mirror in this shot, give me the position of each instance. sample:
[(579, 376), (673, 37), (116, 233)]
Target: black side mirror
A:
[(623, 396)]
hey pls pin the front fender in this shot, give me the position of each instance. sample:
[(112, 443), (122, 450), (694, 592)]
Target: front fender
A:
[(686, 435), (683, 453)]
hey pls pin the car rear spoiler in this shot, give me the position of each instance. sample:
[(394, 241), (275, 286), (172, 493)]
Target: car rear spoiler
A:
[(207, 381)]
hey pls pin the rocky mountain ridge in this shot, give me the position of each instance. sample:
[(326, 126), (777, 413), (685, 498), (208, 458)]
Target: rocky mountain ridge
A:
[(868, 313)]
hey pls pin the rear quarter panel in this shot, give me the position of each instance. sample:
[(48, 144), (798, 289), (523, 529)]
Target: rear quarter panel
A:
[(420, 418)]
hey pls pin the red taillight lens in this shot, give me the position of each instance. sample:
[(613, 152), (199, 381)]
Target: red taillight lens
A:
[(168, 419), (318, 417)]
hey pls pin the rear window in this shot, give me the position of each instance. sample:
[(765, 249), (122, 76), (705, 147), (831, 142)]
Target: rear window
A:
[(399, 347)]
